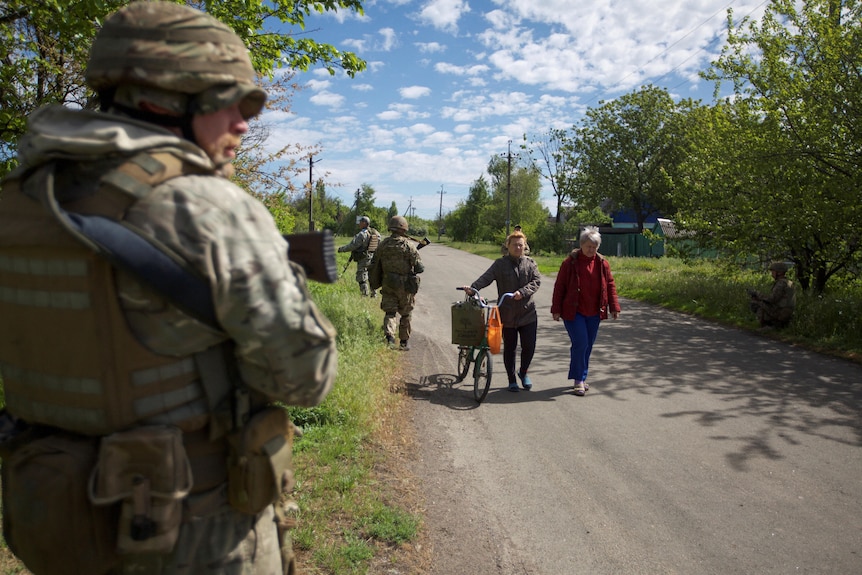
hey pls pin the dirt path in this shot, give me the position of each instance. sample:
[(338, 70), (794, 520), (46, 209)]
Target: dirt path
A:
[(699, 449)]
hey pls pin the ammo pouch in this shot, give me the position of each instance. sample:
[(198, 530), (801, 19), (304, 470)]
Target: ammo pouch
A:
[(411, 283), (146, 469), (48, 520), (259, 464)]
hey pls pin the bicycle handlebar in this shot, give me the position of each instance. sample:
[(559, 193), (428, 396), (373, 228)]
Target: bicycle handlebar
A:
[(482, 300)]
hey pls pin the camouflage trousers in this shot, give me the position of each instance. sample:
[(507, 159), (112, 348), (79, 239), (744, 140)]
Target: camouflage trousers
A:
[(362, 275), (215, 539), (394, 302)]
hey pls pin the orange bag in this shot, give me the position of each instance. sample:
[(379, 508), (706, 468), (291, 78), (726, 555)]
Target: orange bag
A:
[(495, 330)]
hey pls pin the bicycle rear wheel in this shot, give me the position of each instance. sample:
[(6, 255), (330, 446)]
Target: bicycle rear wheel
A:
[(463, 362), (482, 374)]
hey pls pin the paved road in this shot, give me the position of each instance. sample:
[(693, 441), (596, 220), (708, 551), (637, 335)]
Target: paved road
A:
[(698, 450)]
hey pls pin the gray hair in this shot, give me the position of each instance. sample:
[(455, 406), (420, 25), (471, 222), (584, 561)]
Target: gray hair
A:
[(591, 234)]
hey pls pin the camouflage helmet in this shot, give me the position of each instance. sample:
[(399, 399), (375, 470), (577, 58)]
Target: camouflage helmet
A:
[(779, 267), (398, 223), (365, 219), (178, 57)]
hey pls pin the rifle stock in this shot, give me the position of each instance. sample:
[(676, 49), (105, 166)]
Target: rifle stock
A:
[(422, 243), (315, 253)]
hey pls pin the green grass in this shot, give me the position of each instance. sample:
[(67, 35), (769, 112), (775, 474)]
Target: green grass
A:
[(830, 323)]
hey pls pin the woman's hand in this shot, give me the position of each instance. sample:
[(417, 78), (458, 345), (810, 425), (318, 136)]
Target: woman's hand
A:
[(468, 290), (556, 316), (615, 314), (518, 296)]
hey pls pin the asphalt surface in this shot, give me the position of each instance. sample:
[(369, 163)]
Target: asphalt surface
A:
[(699, 449)]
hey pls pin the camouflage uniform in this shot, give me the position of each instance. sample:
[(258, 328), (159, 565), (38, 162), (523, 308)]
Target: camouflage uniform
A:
[(363, 258), (284, 349), (396, 261), (775, 309)]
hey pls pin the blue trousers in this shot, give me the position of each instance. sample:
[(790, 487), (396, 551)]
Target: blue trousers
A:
[(582, 333)]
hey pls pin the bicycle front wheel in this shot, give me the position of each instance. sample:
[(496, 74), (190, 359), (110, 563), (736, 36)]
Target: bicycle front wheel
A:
[(463, 362), (482, 374)]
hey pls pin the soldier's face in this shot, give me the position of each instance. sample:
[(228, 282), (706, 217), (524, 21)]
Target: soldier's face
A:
[(220, 133)]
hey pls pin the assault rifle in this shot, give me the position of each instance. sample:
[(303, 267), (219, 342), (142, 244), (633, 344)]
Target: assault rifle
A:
[(314, 252)]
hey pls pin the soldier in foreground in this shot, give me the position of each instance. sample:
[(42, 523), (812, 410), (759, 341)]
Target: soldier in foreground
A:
[(394, 272), (363, 247), (145, 438), (775, 309)]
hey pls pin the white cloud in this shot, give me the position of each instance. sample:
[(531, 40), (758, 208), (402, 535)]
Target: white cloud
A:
[(389, 40), (327, 99), (362, 87), (430, 47), (413, 92), (474, 70), (444, 14)]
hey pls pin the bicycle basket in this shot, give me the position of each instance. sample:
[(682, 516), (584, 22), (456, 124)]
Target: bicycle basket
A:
[(468, 323)]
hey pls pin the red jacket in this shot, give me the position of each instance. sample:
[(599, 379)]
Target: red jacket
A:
[(567, 286)]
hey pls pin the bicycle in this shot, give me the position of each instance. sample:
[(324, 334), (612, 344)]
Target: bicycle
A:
[(479, 355)]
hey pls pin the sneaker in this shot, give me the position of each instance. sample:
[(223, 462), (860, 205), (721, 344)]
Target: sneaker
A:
[(404, 345), (526, 383), (513, 386), (579, 389)]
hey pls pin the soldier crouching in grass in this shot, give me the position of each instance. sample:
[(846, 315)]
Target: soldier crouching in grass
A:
[(775, 309)]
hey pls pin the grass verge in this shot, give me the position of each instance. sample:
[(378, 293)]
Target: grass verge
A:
[(830, 323)]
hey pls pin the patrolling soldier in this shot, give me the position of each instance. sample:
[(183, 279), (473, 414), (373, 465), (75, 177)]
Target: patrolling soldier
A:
[(395, 272), (362, 248), (140, 431), (775, 309)]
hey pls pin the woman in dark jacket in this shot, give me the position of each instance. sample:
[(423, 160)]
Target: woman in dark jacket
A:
[(519, 275), (584, 294)]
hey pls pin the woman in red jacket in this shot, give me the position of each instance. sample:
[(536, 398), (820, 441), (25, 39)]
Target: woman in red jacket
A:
[(584, 294)]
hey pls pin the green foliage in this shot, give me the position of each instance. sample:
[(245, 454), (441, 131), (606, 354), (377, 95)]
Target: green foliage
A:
[(482, 217), (781, 163), (626, 152), (44, 47)]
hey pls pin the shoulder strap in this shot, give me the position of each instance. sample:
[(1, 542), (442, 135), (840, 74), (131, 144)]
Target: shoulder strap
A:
[(119, 243)]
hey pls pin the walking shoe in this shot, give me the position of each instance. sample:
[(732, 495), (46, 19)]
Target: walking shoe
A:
[(390, 341), (404, 345), (579, 388), (526, 383), (513, 386), (586, 386)]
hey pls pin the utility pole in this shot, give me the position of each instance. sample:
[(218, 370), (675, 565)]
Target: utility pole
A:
[(440, 214), (509, 191), (311, 163)]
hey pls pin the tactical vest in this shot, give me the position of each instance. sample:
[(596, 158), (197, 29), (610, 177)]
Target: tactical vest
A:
[(373, 241), (68, 358)]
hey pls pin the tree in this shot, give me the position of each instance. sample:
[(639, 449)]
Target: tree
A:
[(463, 223), (625, 151), (795, 124), (521, 197), (44, 46), (558, 163)]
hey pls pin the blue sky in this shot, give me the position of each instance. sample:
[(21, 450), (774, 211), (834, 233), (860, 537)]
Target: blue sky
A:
[(450, 82)]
